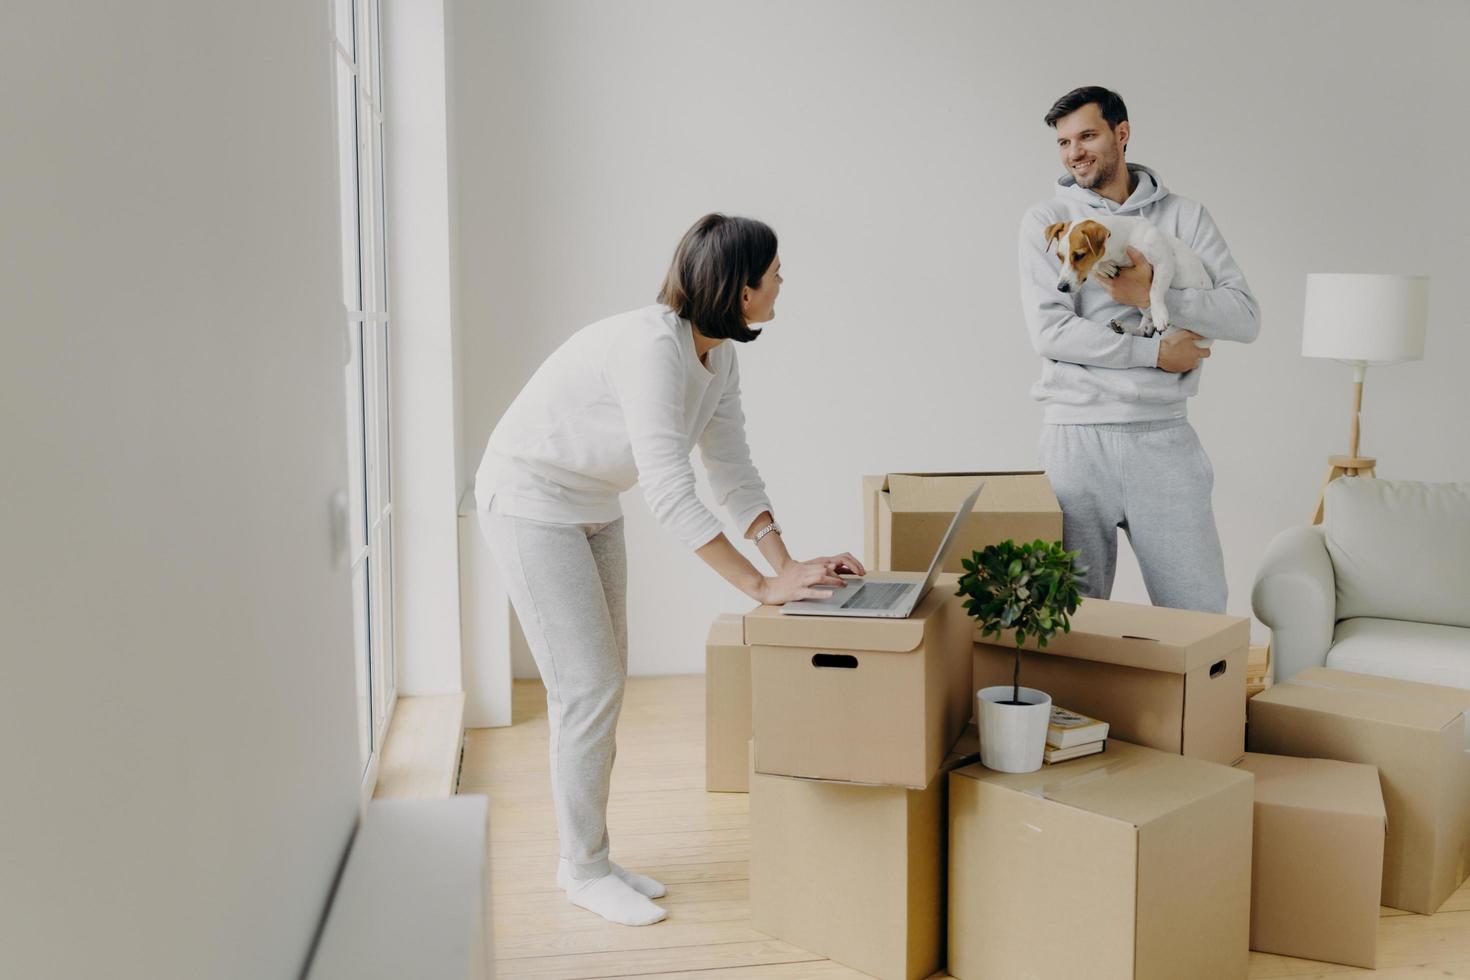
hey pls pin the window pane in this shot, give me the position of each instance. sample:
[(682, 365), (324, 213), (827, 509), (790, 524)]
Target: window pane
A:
[(383, 470), (380, 226), (347, 178), (372, 419), (356, 482), (380, 596), (374, 26), (342, 24), (367, 203), (388, 400), (364, 684), (389, 653)]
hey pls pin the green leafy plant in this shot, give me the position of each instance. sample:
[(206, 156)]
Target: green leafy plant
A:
[(1028, 588)]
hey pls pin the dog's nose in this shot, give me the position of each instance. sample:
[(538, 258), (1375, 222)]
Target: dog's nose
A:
[(1063, 287)]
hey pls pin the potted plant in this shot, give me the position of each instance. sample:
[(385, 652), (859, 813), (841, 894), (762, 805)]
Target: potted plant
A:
[(1030, 589)]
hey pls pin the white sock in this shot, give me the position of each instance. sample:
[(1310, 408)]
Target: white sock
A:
[(642, 884), (614, 900)]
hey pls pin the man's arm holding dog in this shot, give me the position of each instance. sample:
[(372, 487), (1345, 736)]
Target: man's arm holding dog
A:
[(1057, 332), (1227, 312)]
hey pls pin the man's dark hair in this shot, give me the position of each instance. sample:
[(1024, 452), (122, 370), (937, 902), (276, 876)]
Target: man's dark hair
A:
[(716, 259), (1109, 103)]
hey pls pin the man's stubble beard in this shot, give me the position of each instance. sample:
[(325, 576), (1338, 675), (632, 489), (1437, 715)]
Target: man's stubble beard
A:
[(1102, 173)]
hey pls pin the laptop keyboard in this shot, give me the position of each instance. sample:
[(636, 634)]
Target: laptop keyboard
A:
[(878, 595)]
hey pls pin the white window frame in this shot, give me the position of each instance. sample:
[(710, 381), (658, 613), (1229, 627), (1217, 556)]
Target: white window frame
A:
[(356, 53)]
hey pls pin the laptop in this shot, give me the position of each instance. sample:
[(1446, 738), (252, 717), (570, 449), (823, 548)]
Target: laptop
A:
[(883, 596)]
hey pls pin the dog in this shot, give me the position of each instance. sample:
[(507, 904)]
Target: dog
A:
[(1100, 245)]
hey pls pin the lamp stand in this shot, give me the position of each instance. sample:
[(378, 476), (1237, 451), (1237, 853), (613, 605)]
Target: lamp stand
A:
[(1352, 464)]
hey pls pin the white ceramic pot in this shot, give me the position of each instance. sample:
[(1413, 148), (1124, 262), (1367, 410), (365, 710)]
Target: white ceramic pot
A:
[(1012, 737)]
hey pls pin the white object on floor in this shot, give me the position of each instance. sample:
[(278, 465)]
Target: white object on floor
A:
[(412, 900), (614, 900), (642, 884)]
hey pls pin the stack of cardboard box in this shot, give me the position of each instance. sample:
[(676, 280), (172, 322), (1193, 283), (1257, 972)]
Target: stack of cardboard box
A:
[(1133, 862), (878, 842), (856, 723), (1415, 734)]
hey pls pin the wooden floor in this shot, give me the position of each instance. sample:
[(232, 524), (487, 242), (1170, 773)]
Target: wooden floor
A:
[(662, 822)]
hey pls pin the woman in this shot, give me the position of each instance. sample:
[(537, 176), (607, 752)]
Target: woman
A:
[(623, 402)]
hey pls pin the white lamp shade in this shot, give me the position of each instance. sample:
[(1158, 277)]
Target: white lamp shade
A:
[(1365, 319)]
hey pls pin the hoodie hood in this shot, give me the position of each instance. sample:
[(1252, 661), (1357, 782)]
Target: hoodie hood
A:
[(1149, 190)]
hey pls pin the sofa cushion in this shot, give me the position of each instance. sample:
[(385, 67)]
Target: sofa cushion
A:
[(1400, 549), (1420, 652)]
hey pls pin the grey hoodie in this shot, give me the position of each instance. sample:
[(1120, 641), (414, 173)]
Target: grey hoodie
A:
[(1089, 373)]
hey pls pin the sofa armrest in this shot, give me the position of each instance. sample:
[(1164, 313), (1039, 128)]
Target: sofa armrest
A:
[(1296, 596)]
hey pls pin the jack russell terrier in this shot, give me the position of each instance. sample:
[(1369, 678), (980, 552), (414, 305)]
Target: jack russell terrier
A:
[(1101, 245)]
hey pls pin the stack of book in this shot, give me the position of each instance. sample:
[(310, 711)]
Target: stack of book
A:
[(1071, 735)]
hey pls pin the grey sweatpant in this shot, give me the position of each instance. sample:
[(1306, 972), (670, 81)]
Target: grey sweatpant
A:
[(569, 586), (1153, 480)]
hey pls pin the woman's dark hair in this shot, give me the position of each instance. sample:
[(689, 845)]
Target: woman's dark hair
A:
[(716, 259), (1109, 103)]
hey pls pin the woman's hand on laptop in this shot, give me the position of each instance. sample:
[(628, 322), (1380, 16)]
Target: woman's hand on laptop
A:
[(843, 564), (801, 580)]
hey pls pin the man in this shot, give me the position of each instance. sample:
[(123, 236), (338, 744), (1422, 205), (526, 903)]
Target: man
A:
[(1116, 442)]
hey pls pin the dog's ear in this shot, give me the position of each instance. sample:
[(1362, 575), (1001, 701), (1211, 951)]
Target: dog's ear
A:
[(1053, 232), (1095, 235)]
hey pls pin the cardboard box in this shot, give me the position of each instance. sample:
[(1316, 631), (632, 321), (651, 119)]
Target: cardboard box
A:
[(1257, 669), (1169, 679), (875, 701), (853, 873), (906, 514), (727, 725), (1318, 859), (1416, 735), (1129, 864)]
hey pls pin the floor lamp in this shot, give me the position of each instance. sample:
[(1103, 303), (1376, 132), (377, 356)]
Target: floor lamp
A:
[(1362, 320)]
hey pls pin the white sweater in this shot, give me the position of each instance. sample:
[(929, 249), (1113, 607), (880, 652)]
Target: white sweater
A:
[(623, 402), (1089, 374)]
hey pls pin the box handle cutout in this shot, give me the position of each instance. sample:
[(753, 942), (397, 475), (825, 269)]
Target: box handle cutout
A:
[(1146, 639), (845, 661), (1217, 669)]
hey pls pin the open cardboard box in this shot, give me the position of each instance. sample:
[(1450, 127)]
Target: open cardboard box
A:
[(906, 514), (1170, 679)]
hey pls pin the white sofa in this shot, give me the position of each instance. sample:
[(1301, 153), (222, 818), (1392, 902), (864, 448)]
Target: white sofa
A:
[(1382, 586)]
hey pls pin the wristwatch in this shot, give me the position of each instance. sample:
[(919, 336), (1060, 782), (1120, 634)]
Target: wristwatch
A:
[(773, 526)]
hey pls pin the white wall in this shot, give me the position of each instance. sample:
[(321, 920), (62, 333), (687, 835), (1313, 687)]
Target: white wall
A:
[(177, 725), (894, 148)]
